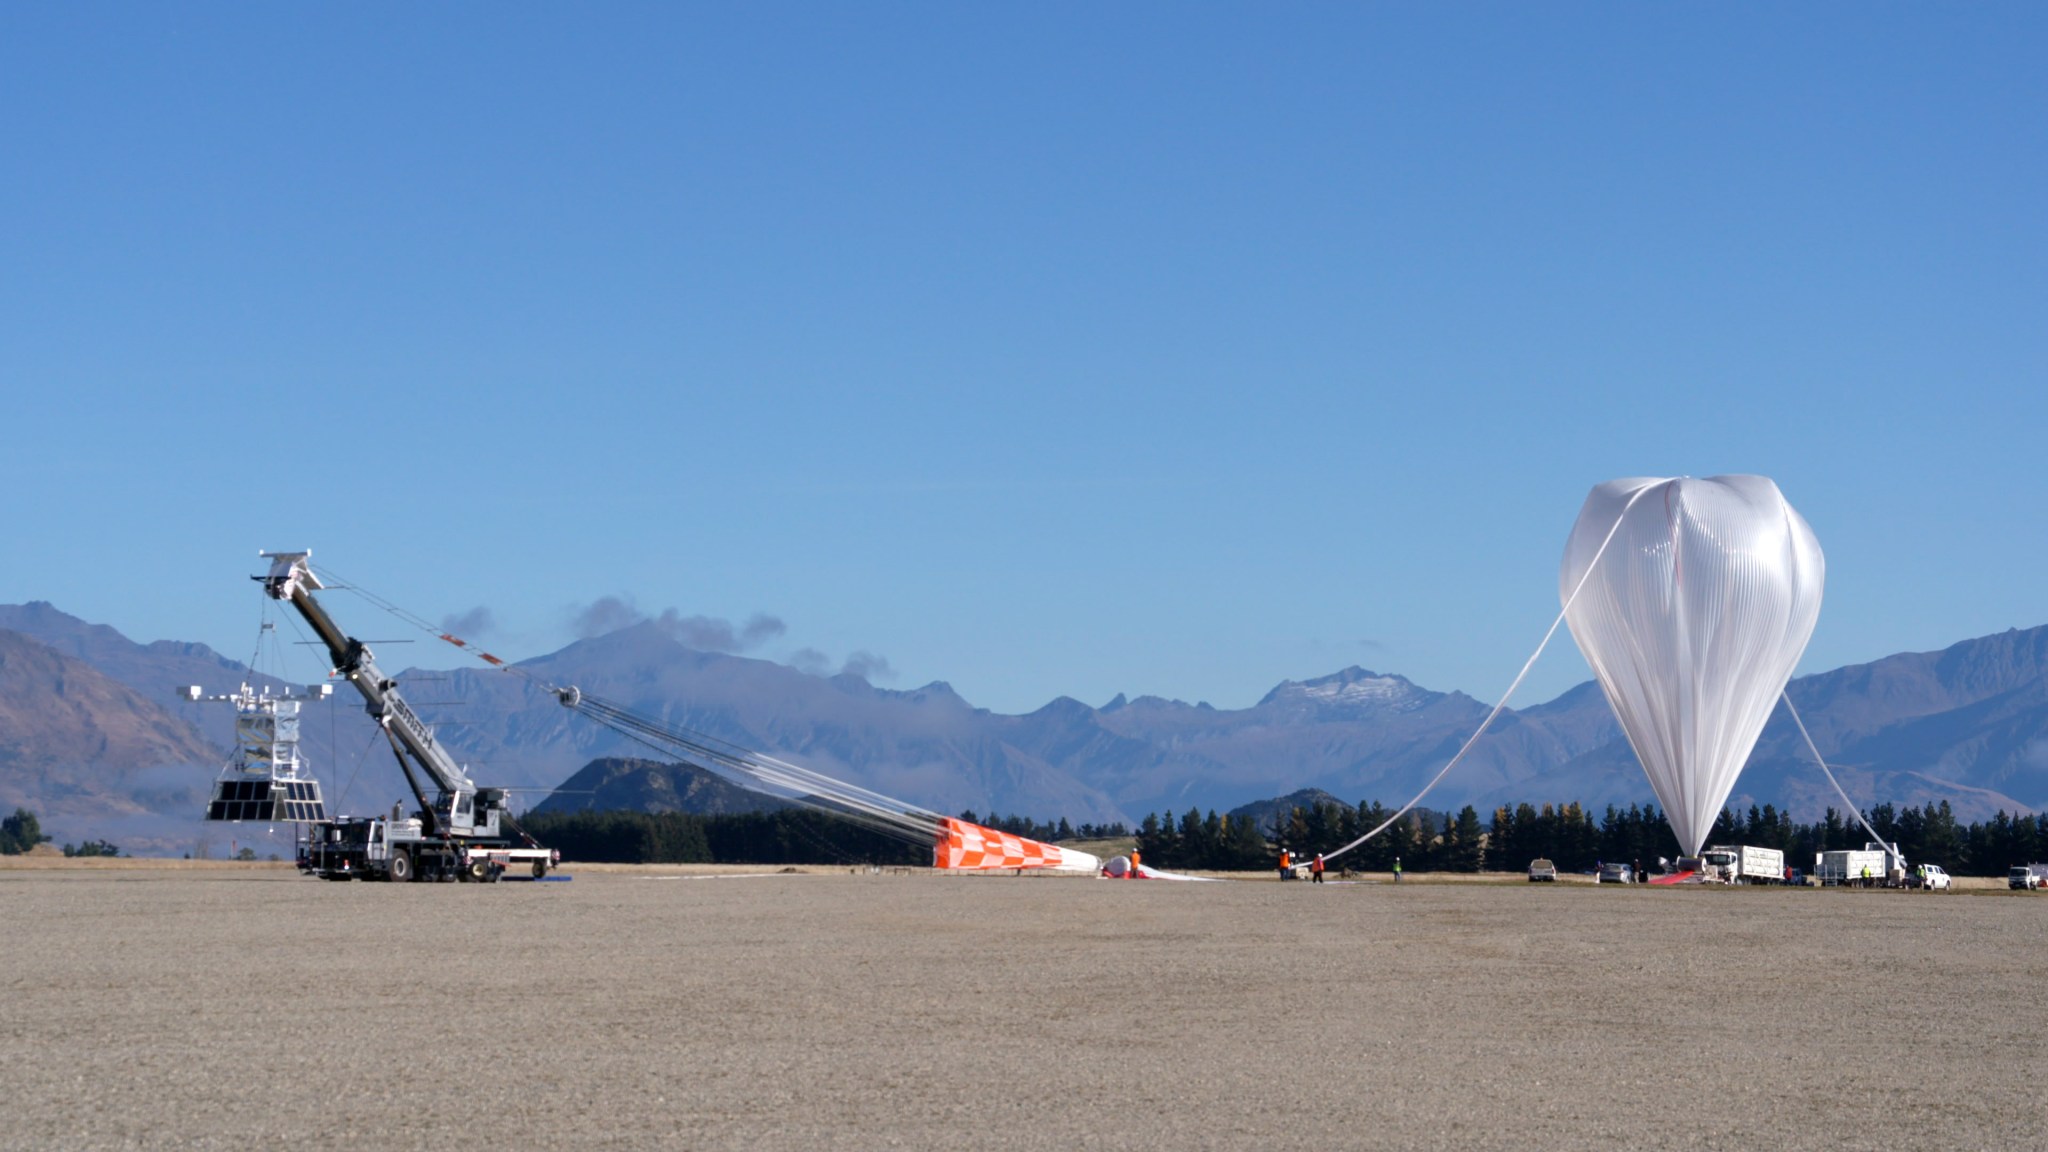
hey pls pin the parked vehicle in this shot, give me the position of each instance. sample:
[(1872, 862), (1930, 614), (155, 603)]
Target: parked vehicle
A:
[(2027, 876), (1615, 874), (1930, 878), (1742, 864), (1541, 869), (1850, 866)]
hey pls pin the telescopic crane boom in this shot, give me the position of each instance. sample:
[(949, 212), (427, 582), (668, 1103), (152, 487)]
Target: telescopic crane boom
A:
[(459, 809)]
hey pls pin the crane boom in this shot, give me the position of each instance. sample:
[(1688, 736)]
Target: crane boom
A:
[(291, 579)]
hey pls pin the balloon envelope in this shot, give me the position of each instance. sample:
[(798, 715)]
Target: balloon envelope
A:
[(1693, 621)]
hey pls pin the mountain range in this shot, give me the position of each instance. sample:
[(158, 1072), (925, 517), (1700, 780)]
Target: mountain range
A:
[(94, 738)]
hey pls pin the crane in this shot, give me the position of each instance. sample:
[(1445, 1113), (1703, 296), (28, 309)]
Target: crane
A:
[(463, 832)]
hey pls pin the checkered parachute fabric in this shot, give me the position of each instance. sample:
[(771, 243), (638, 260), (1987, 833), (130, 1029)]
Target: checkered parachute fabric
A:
[(971, 847)]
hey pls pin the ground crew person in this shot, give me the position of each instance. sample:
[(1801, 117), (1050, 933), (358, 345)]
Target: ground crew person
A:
[(1286, 865), (1134, 865), (1866, 875), (1397, 869), (1315, 870)]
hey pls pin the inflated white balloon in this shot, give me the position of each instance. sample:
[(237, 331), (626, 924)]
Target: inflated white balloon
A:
[(1693, 621)]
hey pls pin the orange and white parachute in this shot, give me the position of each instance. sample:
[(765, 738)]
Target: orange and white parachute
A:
[(957, 845), (971, 848)]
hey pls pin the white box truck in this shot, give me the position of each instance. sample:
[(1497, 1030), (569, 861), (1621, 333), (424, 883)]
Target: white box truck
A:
[(1742, 864), (1858, 866)]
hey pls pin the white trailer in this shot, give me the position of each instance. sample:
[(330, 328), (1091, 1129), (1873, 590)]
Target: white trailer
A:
[(1742, 864), (1859, 866)]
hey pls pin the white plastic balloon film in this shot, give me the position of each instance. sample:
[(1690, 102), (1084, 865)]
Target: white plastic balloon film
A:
[(1692, 621)]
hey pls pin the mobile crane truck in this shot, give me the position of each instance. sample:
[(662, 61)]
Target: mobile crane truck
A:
[(463, 833)]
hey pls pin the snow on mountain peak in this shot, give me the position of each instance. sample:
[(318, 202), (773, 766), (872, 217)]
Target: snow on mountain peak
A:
[(1352, 688), (1375, 688)]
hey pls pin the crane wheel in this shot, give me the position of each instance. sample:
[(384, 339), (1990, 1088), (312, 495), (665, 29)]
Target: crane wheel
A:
[(479, 870), (540, 869), (401, 867)]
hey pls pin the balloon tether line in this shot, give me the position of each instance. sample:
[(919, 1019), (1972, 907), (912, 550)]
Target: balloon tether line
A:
[(1509, 694), (1829, 773)]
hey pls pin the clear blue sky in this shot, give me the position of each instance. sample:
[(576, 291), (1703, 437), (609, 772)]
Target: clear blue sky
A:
[(1158, 348)]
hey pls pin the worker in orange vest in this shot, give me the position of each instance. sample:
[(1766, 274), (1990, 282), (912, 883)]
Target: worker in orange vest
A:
[(1286, 865), (1134, 865), (1315, 869)]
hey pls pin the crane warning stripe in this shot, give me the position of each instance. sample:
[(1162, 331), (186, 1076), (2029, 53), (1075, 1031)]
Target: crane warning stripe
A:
[(971, 847), (466, 646)]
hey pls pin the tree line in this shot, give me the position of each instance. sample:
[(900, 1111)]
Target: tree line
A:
[(1570, 836), (787, 836), (1423, 841), (1047, 830)]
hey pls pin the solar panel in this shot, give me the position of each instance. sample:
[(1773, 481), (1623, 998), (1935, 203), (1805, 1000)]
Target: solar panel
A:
[(280, 801)]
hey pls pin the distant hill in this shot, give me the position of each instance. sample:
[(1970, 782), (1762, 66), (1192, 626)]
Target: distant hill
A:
[(82, 749), (154, 670), (1968, 724), (618, 784), (926, 745), (1269, 812)]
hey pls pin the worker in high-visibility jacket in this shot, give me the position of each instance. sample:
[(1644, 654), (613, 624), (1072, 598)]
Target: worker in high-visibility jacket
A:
[(1286, 865), (1133, 875), (1315, 869)]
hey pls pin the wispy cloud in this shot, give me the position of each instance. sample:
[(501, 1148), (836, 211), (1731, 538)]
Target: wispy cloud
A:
[(868, 666), (606, 614), (475, 624), (705, 633)]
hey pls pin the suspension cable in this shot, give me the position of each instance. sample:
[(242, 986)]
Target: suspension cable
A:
[(1509, 694), (1829, 773)]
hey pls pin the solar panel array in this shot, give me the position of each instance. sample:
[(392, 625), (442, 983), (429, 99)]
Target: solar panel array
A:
[(271, 801)]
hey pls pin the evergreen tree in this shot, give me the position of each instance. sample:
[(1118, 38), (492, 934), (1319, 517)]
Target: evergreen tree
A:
[(1462, 841), (20, 833), (1195, 850), (1941, 841), (1247, 847)]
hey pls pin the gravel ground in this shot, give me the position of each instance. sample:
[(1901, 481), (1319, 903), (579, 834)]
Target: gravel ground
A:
[(256, 1009)]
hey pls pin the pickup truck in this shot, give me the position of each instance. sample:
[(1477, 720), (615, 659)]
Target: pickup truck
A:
[(1929, 878), (2027, 876), (1541, 869)]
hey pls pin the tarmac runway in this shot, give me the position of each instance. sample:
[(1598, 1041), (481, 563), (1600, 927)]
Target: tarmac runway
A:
[(229, 1009)]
